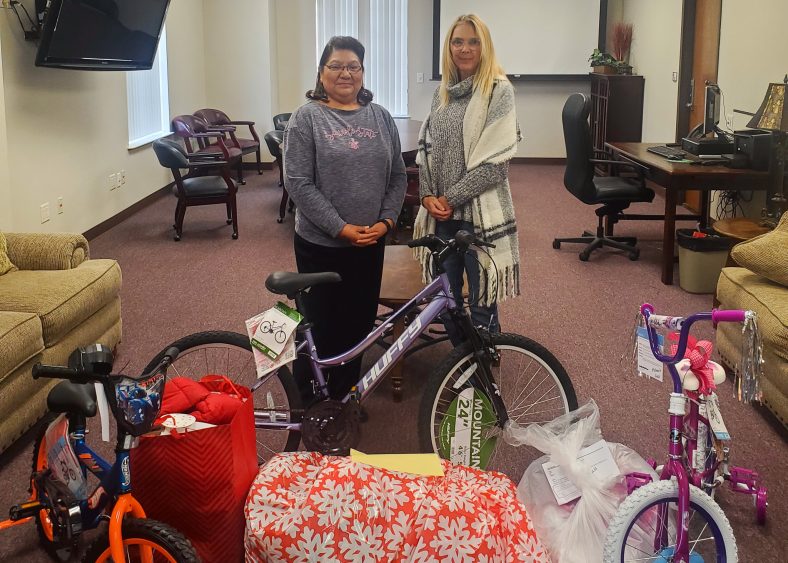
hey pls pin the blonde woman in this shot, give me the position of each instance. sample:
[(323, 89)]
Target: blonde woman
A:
[(465, 146)]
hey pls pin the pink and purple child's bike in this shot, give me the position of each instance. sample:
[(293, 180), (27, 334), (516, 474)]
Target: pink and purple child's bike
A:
[(676, 518)]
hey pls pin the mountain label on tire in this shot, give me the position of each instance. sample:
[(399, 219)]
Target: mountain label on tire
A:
[(462, 429)]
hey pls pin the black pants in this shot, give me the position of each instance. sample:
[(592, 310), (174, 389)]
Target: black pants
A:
[(341, 313)]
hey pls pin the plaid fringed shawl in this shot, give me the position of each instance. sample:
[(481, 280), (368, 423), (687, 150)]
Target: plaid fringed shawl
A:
[(490, 135)]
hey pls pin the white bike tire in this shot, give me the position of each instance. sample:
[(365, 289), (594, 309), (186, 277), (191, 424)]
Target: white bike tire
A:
[(647, 495)]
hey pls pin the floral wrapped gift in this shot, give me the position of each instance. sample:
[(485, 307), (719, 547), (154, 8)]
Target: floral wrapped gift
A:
[(307, 507)]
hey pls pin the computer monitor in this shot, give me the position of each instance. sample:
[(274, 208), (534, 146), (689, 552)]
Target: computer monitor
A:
[(711, 108)]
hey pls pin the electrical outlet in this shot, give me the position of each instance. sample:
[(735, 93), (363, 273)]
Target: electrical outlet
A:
[(122, 177), (675, 77), (60, 205), (45, 212), (419, 77)]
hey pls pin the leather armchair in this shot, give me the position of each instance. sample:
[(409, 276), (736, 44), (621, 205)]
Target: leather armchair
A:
[(217, 117)]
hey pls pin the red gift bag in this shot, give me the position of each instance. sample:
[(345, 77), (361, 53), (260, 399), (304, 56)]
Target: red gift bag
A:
[(198, 481)]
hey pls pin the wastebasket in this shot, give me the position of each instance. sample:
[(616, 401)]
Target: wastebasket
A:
[(701, 259)]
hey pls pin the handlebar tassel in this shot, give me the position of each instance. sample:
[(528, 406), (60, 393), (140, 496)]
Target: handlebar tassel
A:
[(750, 369)]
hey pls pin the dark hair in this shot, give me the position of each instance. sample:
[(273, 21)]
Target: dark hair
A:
[(340, 42)]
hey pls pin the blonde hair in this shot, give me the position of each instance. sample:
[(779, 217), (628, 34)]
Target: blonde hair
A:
[(489, 69)]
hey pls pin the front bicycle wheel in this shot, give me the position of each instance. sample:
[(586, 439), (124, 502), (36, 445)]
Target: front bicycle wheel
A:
[(644, 527), (456, 418), (230, 354), (145, 540)]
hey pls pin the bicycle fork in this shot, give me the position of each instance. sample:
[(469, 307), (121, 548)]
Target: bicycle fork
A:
[(485, 357)]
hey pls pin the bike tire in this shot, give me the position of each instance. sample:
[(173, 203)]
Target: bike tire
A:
[(165, 540), (230, 354), (57, 550), (519, 356), (664, 494)]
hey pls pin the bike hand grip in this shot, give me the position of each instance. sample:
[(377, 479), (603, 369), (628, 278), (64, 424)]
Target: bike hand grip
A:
[(727, 316), (172, 353), (54, 372)]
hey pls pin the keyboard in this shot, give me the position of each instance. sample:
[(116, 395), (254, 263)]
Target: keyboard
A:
[(667, 152)]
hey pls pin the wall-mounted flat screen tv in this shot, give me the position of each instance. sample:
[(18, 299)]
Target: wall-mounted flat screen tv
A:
[(101, 34)]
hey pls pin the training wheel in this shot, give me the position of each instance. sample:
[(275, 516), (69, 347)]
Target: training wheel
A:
[(761, 503)]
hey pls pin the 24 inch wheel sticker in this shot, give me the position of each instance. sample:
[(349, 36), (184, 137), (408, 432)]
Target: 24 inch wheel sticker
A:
[(463, 434)]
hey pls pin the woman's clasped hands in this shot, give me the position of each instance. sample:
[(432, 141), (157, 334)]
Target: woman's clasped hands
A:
[(438, 207), (358, 235)]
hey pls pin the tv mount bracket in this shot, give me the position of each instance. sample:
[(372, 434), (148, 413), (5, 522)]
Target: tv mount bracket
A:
[(34, 33)]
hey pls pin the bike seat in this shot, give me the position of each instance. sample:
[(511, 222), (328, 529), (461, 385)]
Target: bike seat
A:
[(290, 283), (690, 381), (73, 397)]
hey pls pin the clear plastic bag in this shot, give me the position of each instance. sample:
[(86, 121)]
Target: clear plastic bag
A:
[(573, 532)]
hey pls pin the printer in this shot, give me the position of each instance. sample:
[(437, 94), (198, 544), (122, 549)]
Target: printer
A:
[(755, 145)]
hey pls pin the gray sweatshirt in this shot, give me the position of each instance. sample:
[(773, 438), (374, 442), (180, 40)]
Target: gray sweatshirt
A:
[(342, 167)]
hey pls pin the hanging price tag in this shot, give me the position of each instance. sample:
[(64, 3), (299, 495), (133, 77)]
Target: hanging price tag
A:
[(715, 419), (648, 365)]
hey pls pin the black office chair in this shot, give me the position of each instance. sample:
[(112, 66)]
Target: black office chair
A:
[(614, 193), (280, 121), (274, 139), (198, 190)]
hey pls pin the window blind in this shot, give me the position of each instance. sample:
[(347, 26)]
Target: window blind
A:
[(147, 98), (381, 25)]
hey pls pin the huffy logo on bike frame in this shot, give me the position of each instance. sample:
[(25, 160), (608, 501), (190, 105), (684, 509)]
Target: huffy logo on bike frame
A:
[(385, 359)]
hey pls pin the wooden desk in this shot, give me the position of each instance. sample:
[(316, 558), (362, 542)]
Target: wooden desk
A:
[(679, 176)]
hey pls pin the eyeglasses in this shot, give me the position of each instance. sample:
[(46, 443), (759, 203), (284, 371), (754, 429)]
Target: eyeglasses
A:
[(473, 43), (352, 68)]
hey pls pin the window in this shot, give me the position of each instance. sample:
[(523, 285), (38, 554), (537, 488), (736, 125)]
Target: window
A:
[(381, 25), (148, 100)]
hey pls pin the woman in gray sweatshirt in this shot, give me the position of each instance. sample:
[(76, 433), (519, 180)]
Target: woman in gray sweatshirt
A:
[(344, 170)]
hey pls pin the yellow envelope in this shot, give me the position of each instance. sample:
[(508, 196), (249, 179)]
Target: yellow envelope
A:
[(418, 464)]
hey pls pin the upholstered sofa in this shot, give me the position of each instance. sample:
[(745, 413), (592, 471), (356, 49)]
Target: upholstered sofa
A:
[(53, 298), (760, 283)]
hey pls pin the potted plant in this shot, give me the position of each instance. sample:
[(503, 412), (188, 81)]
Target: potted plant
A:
[(603, 63)]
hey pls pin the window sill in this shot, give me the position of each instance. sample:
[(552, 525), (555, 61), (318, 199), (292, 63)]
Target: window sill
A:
[(147, 139)]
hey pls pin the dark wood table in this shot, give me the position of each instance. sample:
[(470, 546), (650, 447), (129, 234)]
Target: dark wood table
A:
[(739, 228), (678, 176), (408, 137), (401, 281)]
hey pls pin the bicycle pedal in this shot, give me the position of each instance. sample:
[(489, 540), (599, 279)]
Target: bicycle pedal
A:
[(25, 510)]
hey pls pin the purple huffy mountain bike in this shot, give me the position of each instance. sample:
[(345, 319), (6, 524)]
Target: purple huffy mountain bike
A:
[(676, 518)]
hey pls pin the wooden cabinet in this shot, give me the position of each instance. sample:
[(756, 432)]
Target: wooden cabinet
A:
[(616, 108)]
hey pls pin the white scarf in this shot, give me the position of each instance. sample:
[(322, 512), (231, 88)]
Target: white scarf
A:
[(490, 136)]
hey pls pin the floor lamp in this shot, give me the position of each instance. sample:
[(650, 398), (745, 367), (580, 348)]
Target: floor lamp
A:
[(773, 116)]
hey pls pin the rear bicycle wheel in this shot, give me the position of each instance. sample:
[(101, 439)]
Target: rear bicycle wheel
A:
[(230, 354), (644, 527), (456, 419), (163, 542)]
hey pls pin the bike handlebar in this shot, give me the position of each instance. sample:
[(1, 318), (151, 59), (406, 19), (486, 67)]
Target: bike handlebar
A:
[(84, 376), (461, 241)]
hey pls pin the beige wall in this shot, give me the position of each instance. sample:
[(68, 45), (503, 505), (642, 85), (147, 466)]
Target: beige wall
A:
[(68, 129), (6, 216), (240, 61), (295, 52), (655, 55)]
